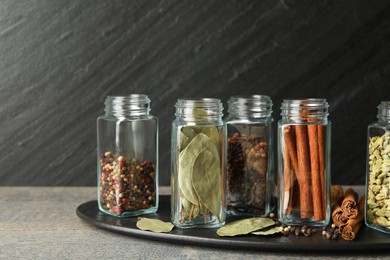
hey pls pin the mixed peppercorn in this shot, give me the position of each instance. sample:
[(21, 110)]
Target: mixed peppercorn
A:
[(126, 184)]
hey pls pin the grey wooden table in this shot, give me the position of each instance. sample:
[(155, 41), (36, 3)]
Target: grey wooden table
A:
[(41, 223)]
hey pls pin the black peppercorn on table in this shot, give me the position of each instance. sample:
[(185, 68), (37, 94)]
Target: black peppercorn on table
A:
[(40, 222)]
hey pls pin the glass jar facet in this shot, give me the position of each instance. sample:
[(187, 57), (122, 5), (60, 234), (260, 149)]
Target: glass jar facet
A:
[(127, 141), (250, 179), (304, 162), (198, 164), (378, 171)]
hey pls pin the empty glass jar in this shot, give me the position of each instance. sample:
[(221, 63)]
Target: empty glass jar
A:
[(304, 162), (250, 178), (198, 164), (378, 171), (127, 138)]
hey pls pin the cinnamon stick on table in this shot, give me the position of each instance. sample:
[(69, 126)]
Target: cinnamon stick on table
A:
[(303, 173), (349, 206), (338, 218), (353, 225), (336, 196)]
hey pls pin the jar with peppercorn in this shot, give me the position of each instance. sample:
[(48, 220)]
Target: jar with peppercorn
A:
[(198, 164), (250, 178), (378, 171), (304, 162), (127, 138)]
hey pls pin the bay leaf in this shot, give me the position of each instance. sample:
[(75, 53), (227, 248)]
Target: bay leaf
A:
[(200, 115), (210, 131), (268, 231), (186, 205), (244, 226), (154, 225), (206, 179), (183, 141), (187, 133), (186, 161)]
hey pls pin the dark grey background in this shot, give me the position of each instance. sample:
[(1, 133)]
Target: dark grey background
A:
[(61, 58)]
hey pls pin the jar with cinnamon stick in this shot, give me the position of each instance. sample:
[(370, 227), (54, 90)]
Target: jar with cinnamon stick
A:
[(378, 171), (304, 162), (250, 155)]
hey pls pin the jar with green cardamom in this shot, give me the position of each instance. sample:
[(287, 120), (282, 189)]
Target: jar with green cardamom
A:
[(377, 214), (198, 164)]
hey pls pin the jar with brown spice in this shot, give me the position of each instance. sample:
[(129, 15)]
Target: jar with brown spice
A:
[(250, 155), (127, 138)]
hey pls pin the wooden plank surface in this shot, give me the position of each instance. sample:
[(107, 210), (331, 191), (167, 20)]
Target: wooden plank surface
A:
[(60, 59)]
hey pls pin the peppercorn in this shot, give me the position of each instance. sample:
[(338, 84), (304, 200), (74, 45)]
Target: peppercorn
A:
[(121, 189)]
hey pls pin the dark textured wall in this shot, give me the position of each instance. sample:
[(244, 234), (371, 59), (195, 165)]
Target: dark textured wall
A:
[(60, 59)]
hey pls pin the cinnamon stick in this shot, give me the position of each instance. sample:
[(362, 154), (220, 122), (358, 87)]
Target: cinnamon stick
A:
[(349, 205), (289, 142), (321, 158), (303, 173), (337, 216), (288, 178), (336, 196), (315, 173), (350, 231), (290, 166)]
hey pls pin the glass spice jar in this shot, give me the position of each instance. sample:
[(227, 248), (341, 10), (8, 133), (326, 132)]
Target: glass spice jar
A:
[(377, 213), (249, 155), (198, 164), (127, 139), (304, 162)]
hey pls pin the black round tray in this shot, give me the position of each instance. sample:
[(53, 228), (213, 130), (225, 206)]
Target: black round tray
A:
[(367, 239)]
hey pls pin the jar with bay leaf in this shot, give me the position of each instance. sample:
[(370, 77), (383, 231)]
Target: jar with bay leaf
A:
[(198, 164), (127, 137), (378, 171), (250, 178), (304, 162)]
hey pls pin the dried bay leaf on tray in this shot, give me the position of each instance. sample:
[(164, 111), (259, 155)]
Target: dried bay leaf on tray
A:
[(154, 225), (244, 226), (268, 231)]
